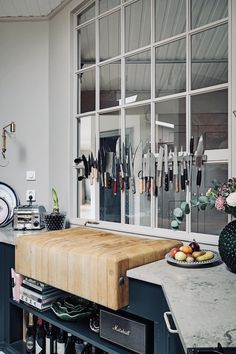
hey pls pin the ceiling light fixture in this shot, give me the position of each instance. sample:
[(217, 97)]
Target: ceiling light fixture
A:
[(12, 128)]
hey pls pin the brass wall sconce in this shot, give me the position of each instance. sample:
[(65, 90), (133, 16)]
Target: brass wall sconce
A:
[(12, 128)]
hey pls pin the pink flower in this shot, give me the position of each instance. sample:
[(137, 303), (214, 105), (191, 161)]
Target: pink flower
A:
[(219, 203)]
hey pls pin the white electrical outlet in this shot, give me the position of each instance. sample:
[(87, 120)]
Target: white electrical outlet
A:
[(30, 192), (30, 176)]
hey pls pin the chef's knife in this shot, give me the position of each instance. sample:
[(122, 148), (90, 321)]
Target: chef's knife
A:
[(114, 174), (153, 172), (120, 164), (182, 177), (159, 165), (131, 169), (170, 169), (166, 168), (191, 149), (125, 167), (109, 169), (176, 169), (91, 176), (198, 160)]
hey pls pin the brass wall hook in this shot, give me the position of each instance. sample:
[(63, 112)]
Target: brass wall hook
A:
[(12, 127)]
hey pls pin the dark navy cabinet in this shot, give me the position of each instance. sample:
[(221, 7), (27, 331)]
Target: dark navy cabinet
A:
[(147, 301)]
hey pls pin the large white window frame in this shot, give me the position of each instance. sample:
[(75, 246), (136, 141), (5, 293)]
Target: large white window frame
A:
[(215, 156)]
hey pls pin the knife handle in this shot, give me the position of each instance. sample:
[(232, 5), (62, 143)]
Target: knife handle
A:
[(127, 182), (186, 175), (199, 177), (121, 182), (166, 182), (114, 187), (191, 145), (140, 185), (160, 180), (171, 175), (148, 185), (177, 183), (182, 182), (132, 185)]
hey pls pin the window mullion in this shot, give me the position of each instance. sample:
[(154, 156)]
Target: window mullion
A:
[(122, 48), (188, 103), (97, 105)]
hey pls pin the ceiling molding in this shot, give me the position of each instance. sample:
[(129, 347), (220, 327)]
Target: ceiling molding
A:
[(36, 18)]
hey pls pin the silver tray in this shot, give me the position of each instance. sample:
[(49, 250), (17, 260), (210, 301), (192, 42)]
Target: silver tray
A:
[(214, 261)]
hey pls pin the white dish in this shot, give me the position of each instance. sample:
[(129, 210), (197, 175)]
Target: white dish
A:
[(9, 195)]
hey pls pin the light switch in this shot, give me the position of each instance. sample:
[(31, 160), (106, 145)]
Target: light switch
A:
[(30, 176)]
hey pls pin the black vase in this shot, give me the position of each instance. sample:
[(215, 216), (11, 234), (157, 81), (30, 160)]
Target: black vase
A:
[(55, 221), (227, 245)]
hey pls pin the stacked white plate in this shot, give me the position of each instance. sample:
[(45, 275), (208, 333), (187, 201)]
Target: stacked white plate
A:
[(8, 201)]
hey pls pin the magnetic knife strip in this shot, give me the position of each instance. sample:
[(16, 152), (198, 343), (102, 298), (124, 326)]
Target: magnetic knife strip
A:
[(167, 169)]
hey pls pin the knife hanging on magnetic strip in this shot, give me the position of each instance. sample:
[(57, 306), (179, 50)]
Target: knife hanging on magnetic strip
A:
[(166, 168), (176, 169), (198, 160)]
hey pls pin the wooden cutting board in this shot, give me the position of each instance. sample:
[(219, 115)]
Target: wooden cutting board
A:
[(87, 262)]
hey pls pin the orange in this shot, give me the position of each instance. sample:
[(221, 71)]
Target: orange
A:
[(186, 249)]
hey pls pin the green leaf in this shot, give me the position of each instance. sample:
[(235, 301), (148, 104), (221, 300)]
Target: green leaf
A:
[(203, 206), (174, 225), (203, 199), (194, 201), (212, 201), (55, 200), (187, 209), (215, 184), (179, 220), (178, 213)]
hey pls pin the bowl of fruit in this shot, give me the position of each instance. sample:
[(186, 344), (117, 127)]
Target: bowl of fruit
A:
[(192, 256)]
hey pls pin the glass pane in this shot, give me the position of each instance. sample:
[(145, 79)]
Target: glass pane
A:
[(210, 118), (105, 5), (206, 11), (86, 46), (171, 68), (110, 85), (86, 81), (109, 36), (171, 124), (137, 24), (209, 221), (86, 15), (138, 77), (170, 131), (210, 57), (86, 136), (109, 175), (170, 18), (137, 137)]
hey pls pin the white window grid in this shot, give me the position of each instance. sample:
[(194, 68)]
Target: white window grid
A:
[(213, 156)]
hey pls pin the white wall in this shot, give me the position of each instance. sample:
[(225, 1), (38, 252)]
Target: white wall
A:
[(24, 99), (60, 105)]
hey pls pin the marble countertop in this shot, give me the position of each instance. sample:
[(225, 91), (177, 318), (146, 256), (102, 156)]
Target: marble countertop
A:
[(8, 235), (202, 301)]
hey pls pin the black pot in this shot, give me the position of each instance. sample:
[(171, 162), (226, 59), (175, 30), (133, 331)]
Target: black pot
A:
[(55, 221), (227, 245)]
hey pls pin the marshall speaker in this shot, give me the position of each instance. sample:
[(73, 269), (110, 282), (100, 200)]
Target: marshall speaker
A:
[(126, 332)]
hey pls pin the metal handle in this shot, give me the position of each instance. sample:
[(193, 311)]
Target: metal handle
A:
[(166, 314)]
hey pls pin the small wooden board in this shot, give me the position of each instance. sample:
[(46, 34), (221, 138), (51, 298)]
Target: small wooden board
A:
[(87, 262)]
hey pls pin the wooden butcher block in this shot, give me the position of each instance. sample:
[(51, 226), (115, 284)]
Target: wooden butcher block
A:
[(87, 262)]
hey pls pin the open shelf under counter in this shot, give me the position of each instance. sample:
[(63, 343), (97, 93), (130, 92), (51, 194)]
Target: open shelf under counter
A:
[(79, 329)]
